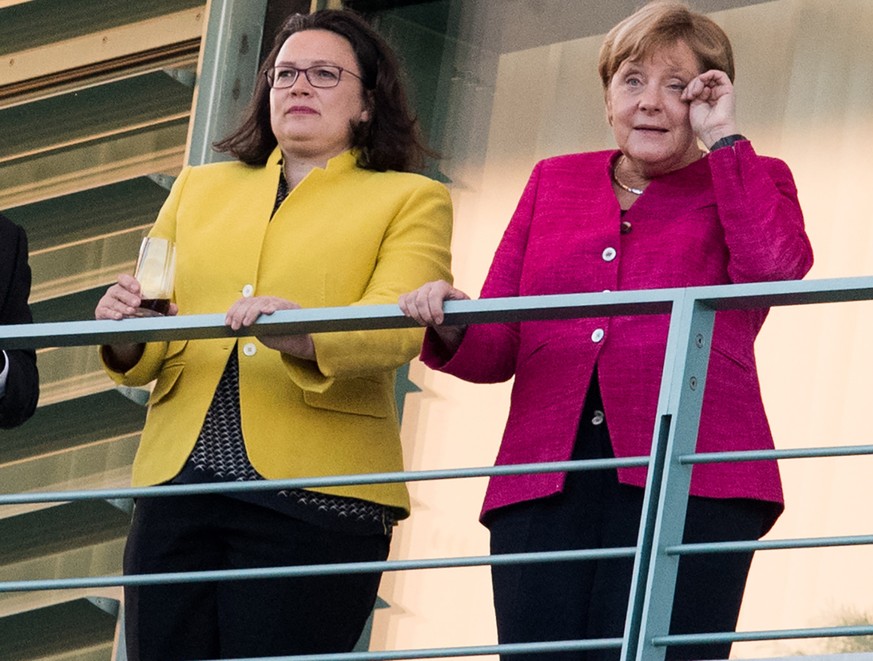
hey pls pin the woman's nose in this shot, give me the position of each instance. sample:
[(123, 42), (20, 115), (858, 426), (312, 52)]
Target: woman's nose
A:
[(650, 98), (301, 85)]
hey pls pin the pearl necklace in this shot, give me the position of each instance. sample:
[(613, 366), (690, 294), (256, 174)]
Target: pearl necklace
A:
[(629, 189)]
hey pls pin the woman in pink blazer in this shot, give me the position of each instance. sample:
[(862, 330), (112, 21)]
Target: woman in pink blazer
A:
[(658, 212)]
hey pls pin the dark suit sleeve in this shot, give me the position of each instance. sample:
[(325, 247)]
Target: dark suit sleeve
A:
[(22, 382)]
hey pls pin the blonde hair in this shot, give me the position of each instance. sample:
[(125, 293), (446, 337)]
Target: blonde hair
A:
[(661, 24)]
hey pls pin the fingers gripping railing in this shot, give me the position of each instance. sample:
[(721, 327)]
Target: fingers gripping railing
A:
[(660, 541)]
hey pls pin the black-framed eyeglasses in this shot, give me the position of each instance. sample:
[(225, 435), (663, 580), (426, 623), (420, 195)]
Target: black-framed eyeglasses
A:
[(320, 75)]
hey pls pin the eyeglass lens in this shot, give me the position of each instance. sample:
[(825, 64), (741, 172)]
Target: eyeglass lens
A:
[(318, 76)]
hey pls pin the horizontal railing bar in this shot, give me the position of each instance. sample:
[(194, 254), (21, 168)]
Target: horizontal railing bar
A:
[(785, 292), (323, 481), (532, 557), (789, 453), (432, 653), (749, 636), (526, 308), (769, 545), (330, 319), (562, 306)]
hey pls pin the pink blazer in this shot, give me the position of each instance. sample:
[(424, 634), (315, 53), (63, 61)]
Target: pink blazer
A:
[(731, 217)]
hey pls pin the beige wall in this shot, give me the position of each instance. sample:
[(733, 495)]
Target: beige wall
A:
[(805, 94)]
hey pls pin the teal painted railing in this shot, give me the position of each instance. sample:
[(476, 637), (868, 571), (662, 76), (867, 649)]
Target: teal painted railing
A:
[(691, 312)]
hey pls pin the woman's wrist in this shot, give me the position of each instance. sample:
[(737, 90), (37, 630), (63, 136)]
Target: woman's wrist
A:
[(121, 357), (297, 346), (450, 338), (726, 141)]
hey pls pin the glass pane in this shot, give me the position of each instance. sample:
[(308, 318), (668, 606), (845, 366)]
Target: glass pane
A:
[(501, 84)]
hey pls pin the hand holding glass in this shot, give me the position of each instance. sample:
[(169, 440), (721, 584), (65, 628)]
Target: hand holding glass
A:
[(155, 271)]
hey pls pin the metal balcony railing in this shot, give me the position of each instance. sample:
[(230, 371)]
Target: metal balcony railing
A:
[(692, 312)]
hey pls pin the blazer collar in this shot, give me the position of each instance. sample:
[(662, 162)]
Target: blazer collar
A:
[(348, 160)]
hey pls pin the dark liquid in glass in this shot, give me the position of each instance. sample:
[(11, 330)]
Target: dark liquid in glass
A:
[(159, 305)]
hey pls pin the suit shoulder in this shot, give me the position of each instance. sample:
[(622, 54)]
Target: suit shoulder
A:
[(571, 168), (215, 176), (592, 159), (9, 229), (221, 168), (408, 178), (404, 182)]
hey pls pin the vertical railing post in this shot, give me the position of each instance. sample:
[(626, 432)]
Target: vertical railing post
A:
[(229, 60), (666, 499), (121, 637)]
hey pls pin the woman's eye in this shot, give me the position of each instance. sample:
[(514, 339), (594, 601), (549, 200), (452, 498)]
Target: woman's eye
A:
[(325, 74), (285, 73)]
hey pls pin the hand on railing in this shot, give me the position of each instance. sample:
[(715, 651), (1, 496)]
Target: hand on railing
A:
[(425, 305), (247, 310)]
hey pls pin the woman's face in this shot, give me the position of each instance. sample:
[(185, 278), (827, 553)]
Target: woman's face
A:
[(648, 117), (311, 122)]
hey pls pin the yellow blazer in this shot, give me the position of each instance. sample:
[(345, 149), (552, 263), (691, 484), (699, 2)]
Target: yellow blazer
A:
[(344, 236)]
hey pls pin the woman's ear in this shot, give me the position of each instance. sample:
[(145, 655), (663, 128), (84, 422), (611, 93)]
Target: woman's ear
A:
[(367, 112)]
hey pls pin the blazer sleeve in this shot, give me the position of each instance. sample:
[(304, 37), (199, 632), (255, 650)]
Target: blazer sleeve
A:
[(22, 382), (415, 249), (760, 215), (488, 352)]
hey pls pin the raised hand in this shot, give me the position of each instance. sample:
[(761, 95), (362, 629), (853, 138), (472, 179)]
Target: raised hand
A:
[(712, 106), (122, 300)]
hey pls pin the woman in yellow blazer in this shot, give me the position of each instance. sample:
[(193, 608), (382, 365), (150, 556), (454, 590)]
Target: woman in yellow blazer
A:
[(320, 209)]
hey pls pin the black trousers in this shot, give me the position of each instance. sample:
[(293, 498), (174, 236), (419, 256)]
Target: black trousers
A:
[(241, 618), (588, 599)]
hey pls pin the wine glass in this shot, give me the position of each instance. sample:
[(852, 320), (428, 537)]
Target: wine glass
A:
[(155, 271)]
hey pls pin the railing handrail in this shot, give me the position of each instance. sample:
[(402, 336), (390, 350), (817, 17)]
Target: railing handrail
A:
[(373, 317), (692, 313)]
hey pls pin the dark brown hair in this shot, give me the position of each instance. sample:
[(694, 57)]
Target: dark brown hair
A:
[(661, 24), (389, 140)]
